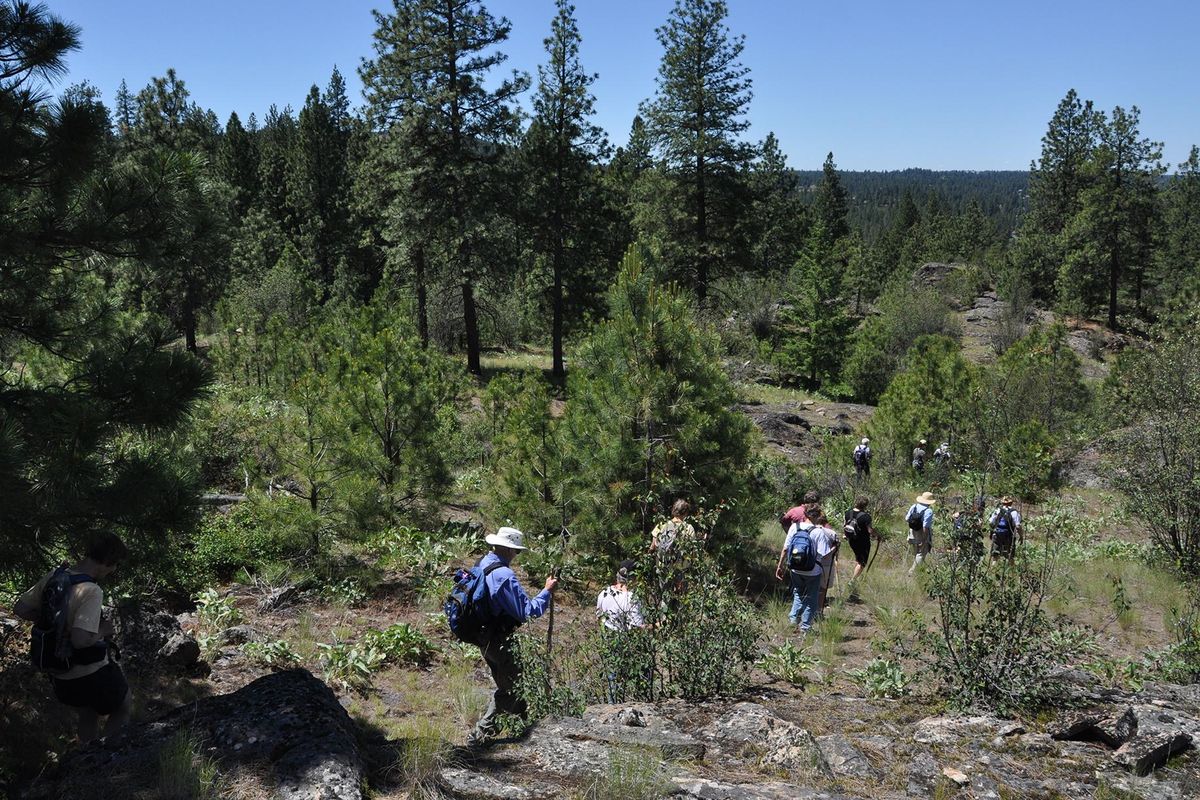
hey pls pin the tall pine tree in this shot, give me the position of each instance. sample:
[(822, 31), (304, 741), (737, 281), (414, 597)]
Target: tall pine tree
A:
[(427, 81), (696, 118)]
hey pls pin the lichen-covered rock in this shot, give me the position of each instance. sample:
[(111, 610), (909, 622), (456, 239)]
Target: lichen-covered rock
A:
[(843, 758), (751, 730), (288, 728), (1147, 752)]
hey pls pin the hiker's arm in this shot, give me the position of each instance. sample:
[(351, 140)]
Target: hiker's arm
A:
[(782, 556), (513, 600)]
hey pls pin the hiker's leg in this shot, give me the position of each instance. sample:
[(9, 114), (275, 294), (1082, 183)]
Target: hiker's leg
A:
[(89, 725), (810, 600), (797, 598), (119, 718), (500, 658)]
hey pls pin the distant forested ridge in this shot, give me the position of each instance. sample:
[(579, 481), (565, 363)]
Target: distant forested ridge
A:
[(875, 195)]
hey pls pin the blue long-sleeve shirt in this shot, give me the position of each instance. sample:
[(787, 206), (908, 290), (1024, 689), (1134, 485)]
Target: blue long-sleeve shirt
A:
[(926, 515), (506, 596)]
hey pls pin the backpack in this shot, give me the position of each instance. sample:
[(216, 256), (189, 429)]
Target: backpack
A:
[(851, 527), (50, 648), (1004, 522), (861, 456), (918, 461), (803, 555), (468, 607), (915, 517)]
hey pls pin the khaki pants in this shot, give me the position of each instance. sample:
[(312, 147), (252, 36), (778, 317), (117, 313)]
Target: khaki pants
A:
[(502, 661), (922, 543)]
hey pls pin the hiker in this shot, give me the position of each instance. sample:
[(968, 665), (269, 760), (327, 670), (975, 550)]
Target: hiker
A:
[(91, 683), (1006, 527), (920, 528), (616, 606), (798, 514), (859, 532), (862, 459), (799, 554), (918, 458), (826, 540), (509, 607), (967, 525), (676, 530), (941, 456), (622, 651)]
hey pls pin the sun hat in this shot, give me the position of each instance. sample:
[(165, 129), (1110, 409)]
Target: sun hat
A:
[(511, 538), (926, 499), (866, 440), (1007, 500), (924, 442)]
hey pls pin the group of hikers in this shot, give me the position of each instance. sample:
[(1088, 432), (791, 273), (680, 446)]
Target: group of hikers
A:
[(861, 457), (72, 631)]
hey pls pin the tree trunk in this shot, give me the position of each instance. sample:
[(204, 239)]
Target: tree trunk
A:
[(471, 321), (701, 233), (557, 325), (422, 310), (1114, 267), (189, 324)]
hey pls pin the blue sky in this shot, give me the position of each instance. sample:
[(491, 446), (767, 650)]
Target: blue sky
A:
[(884, 84)]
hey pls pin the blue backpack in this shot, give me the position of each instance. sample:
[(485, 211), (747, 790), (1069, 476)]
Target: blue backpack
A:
[(50, 648), (803, 555), (1004, 522), (468, 607)]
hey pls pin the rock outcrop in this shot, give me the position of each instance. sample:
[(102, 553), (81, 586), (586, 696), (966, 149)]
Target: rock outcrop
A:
[(286, 731)]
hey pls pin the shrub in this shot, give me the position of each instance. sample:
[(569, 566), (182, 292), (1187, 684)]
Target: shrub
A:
[(349, 665), (401, 644), (250, 535), (993, 648), (882, 677), (277, 654), (789, 663), (214, 614)]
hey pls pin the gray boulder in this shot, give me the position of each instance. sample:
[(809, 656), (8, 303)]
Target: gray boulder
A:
[(287, 728), (180, 650)]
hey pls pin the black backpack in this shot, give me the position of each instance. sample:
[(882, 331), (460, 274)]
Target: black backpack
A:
[(50, 648), (468, 606), (916, 517), (861, 456), (1005, 525), (851, 527)]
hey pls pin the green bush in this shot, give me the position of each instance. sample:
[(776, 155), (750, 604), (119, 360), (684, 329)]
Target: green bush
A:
[(883, 677), (401, 644), (277, 654), (351, 666), (789, 663), (250, 535)]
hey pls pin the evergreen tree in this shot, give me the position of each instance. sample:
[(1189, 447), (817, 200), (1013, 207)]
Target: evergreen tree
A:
[(237, 162), (562, 149), (778, 221), (90, 396), (696, 119), (1111, 235), (830, 208), (432, 58), (1178, 256)]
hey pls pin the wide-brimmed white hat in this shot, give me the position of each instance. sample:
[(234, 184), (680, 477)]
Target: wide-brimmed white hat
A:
[(866, 440), (926, 499), (511, 538)]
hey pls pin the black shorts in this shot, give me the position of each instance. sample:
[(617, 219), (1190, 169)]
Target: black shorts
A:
[(1002, 544), (103, 691), (861, 545)]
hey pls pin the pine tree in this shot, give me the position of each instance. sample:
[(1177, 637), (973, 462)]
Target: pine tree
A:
[(830, 208), (562, 149), (1111, 235), (432, 58), (778, 222), (237, 162), (91, 396), (1178, 256), (696, 119)]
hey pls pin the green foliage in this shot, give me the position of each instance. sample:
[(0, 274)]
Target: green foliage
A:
[(350, 665), (248, 536), (348, 591), (879, 346), (185, 772), (276, 654), (1154, 394), (927, 400), (993, 647), (214, 614), (789, 663), (401, 644), (650, 419), (883, 677)]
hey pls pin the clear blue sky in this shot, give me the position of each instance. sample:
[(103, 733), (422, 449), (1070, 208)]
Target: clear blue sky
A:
[(884, 84)]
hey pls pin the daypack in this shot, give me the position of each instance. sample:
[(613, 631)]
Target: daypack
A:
[(918, 461), (916, 518), (1004, 522), (468, 606), (851, 527), (50, 648), (803, 555), (861, 456)]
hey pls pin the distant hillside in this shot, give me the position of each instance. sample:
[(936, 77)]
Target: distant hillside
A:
[(876, 195)]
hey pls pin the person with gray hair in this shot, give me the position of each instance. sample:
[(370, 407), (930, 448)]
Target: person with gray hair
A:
[(508, 607)]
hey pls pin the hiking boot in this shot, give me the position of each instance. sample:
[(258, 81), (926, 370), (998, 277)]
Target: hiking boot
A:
[(477, 740)]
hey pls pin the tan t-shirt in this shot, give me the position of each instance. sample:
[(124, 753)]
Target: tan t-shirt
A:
[(84, 611)]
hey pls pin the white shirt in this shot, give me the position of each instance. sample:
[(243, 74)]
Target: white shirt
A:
[(618, 610)]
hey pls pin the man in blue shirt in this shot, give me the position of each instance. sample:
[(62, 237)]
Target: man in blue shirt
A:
[(920, 528), (508, 606)]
